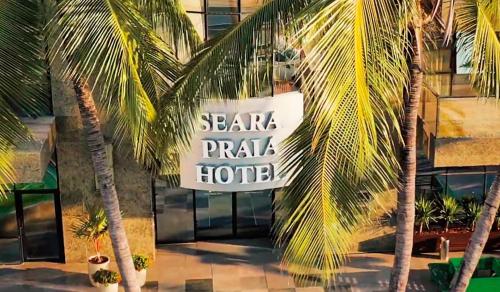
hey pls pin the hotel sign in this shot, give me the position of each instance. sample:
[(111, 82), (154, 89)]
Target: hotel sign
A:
[(237, 146)]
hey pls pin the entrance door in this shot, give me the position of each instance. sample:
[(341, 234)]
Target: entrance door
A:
[(39, 226), (228, 215), (10, 240), (214, 214)]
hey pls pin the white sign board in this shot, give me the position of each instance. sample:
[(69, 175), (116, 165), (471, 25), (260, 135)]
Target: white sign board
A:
[(237, 147)]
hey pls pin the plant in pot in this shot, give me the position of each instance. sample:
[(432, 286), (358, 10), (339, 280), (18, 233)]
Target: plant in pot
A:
[(106, 280), (450, 211), (472, 213), (141, 263), (93, 226), (424, 213)]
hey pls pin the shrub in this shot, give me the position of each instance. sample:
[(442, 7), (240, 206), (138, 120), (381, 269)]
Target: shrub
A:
[(105, 277), (140, 262), (450, 211), (472, 213), (424, 213)]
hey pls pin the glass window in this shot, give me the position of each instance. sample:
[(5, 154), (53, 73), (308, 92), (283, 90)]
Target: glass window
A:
[(214, 214), (254, 212), (219, 23), (194, 5), (174, 214), (10, 248), (467, 182), (222, 6)]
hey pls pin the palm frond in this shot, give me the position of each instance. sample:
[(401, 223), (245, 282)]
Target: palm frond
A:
[(353, 77), (478, 25), (22, 77), (233, 65), (169, 18), (110, 45)]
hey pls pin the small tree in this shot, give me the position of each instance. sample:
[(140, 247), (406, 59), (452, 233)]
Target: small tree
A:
[(450, 211), (424, 213), (92, 226)]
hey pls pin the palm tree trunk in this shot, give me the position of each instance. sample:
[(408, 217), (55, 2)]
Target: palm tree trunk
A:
[(479, 237), (95, 141), (406, 194)]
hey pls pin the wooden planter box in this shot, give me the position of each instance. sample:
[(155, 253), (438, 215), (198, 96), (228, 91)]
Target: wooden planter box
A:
[(429, 241)]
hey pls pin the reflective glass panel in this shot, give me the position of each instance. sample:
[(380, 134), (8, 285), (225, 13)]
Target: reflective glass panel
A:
[(222, 6), (465, 183), (254, 212), (214, 216), (219, 23), (174, 214), (40, 238), (10, 249)]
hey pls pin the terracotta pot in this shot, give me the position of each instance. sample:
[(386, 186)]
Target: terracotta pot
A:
[(109, 288), (92, 268), (141, 277)]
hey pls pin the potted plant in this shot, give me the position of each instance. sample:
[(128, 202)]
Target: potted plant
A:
[(450, 211), (106, 280), (93, 226), (141, 263), (424, 213)]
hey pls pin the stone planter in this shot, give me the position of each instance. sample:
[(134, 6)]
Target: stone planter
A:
[(141, 277), (108, 288), (94, 267)]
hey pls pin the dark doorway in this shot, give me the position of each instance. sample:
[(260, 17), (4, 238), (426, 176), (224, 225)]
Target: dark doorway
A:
[(30, 222), (233, 215)]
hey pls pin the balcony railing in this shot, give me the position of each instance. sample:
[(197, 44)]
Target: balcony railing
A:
[(457, 128)]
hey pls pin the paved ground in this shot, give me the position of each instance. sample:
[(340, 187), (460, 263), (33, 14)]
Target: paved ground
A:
[(241, 266)]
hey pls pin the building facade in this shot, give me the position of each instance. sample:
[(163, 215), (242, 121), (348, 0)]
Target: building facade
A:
[(229, 182)]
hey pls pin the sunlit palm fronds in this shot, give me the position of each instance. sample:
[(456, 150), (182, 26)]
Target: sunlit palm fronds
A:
[(478, 24), (169, 18), (110, 44), (353, 76), (228, 66), (22, 76)]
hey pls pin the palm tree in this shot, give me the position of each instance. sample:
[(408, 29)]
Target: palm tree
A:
[(111, 47), (478, 22), (353, 87), (353, 77), (22, 77), (108, 48)]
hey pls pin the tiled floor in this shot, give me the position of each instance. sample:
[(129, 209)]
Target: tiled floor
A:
[(243, 266)]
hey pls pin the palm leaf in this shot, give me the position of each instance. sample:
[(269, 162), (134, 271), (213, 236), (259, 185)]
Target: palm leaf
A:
[(229, 66), (22, 77), (353, 76), (170, 19), (110, 45), (478, 25)]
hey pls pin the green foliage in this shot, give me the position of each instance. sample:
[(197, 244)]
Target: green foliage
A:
[(22, 77), (105, 277), (477, 23), (91, 226), (472, 210), (140, 262), (450, 210), (112, 46), (424, 212)]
